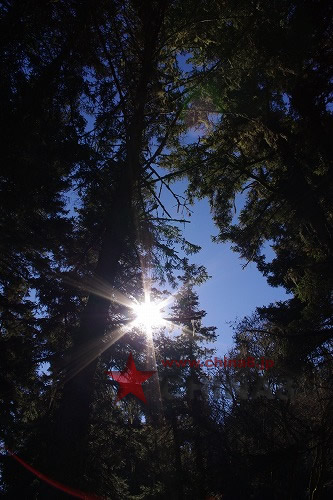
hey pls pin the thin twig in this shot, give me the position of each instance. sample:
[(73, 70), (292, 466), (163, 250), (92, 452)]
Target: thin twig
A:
[(158, 200), (170, 220)]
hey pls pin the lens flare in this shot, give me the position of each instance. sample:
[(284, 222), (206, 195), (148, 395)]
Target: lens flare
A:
[(148, 314)]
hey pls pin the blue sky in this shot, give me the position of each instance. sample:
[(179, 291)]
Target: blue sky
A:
[(232, 292)]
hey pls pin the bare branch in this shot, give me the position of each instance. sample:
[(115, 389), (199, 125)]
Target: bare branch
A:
[(113, 71), (158, 200), (166, 137), (170, 220)]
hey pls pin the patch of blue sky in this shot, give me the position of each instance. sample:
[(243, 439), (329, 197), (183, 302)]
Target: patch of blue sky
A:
[(233, 291)]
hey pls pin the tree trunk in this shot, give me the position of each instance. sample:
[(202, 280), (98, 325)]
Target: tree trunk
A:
[(71, 430), (67, 460)]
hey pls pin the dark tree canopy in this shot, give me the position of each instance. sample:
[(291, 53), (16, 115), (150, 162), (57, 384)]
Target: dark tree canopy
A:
[(96, 101)]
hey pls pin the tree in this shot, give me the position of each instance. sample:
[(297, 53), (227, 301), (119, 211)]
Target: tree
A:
[(264, 147), (39, 148), (95, 105), (185, 406), (120, 75)]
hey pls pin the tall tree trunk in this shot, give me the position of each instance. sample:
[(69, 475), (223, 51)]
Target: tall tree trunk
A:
[(67, 458), (71, 429), (179, 491)]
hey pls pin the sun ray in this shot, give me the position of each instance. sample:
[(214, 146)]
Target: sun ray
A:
[(148, 314), (148, 317), (101, 288), (91, 351), (154, 389)]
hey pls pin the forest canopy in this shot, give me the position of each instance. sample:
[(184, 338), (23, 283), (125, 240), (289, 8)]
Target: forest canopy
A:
[(99, 101)]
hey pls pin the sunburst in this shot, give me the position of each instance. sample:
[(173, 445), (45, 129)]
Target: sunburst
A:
[(148, 314)]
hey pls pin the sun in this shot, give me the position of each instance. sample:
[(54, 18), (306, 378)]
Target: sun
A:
[(148, 314)]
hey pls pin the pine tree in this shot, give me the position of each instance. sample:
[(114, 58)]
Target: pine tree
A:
[(186, 407), (263, 146), (118, 77)]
